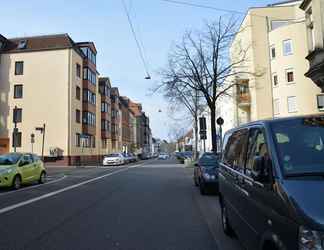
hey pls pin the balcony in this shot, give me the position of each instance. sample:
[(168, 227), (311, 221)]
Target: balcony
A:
[(243, 94), (316, 70)]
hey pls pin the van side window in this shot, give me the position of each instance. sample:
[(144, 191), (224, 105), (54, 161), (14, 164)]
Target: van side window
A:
[(235, 150), (257, 147)]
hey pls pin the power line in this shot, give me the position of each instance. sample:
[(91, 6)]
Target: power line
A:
[(136, 40), (216, 8)]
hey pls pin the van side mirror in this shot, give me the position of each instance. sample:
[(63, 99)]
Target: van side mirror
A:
[(260, 169)]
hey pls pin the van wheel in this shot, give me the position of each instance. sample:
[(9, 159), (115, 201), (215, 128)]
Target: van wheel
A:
[(42, 178), (16, 183), (225, 222)]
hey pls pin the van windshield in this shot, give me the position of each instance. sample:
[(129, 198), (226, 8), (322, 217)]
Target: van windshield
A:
[(300, 145)]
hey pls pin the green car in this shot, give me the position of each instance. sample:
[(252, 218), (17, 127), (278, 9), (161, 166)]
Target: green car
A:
[(19, 168)]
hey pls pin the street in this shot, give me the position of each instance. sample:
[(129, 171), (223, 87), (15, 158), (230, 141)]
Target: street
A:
[(147, 205)]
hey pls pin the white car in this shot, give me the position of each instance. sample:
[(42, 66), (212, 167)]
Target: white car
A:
[(163, 156), (113, 159)]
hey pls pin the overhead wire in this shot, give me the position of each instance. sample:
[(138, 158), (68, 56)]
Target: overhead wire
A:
[(216, 8), (138, 44)]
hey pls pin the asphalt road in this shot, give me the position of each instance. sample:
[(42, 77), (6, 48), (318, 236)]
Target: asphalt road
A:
[(149, 205)]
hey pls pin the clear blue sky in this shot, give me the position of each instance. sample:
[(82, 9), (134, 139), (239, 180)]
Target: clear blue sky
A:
[(157, 23)]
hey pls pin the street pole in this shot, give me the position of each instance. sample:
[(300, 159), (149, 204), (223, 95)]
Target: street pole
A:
[(43, 141), (15, 132), (204, 145)]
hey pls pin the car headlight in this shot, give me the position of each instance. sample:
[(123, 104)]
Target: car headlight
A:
[(207, 176), (6, 171), (310, 239)]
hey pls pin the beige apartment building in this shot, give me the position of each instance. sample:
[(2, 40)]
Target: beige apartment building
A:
[(53, 81), (272, 40)]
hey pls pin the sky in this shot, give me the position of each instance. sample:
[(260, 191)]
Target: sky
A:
[(158, 25)]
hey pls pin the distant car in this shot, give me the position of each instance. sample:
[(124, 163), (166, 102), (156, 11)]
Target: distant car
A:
[(206, 173), (132, 157), (163, 156), (18, 168), (182, 156), (114, 159)]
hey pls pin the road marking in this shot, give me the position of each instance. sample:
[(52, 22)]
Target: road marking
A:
[(33, 187), (24, 203)]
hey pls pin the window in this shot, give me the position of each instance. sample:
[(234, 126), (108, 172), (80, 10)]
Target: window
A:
[(277, 24), (272, 52), (78, 70), (22, 44), (290, 78), (16, 139), (104, 125), (77, 116), (91, 56), (89, 97), (78, 93), (292, 104), (275, 80), (257, 148), (17, 115), (77, 140), (287, 48), (18, 91), (89, 75), (19, 68), (89, 118), (276, 109), (320, 102), (104, 143), (235, 150), (104, 107)]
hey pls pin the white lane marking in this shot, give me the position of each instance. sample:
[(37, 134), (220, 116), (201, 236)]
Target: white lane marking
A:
[(24, 203), (33, 187)]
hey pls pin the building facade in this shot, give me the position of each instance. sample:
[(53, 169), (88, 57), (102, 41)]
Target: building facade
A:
[(314, 10), (104, 90), (51, 82), (273, 39), (116, 122)]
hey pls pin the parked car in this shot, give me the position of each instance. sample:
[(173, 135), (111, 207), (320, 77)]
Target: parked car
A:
[(163, 156), (182, 156), (206, 173), (132, 157), (21, 168), (114, 159), (271, 182)]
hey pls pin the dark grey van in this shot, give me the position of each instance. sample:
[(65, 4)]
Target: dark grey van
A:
[(271, 182)]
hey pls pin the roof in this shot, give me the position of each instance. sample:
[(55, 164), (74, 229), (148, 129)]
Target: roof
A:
[(88, 44), (136, 108), (284, 3), (39, 43), (105, 80), (115, 91)]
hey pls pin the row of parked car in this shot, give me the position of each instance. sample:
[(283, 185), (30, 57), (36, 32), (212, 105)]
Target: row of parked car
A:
[(116, 159), (270, 181)]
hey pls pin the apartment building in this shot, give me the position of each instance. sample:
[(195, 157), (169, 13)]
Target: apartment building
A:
[(50, 80), (116, 122), (138, 126), (314, 10), (104, 90), (273, 42)]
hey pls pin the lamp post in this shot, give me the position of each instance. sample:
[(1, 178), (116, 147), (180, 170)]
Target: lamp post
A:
[(42, 130), (220, 122)]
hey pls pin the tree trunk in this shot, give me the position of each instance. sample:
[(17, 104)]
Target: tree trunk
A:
[(213, 129)]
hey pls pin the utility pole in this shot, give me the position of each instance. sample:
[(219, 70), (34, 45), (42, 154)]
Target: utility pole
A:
[(220, 122), (42, 130)]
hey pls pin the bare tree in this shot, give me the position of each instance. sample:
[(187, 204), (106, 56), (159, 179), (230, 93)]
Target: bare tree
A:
[(182, 97), (201, 64)]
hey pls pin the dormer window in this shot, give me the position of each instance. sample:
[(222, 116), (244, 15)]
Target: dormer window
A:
[(22, 44)]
